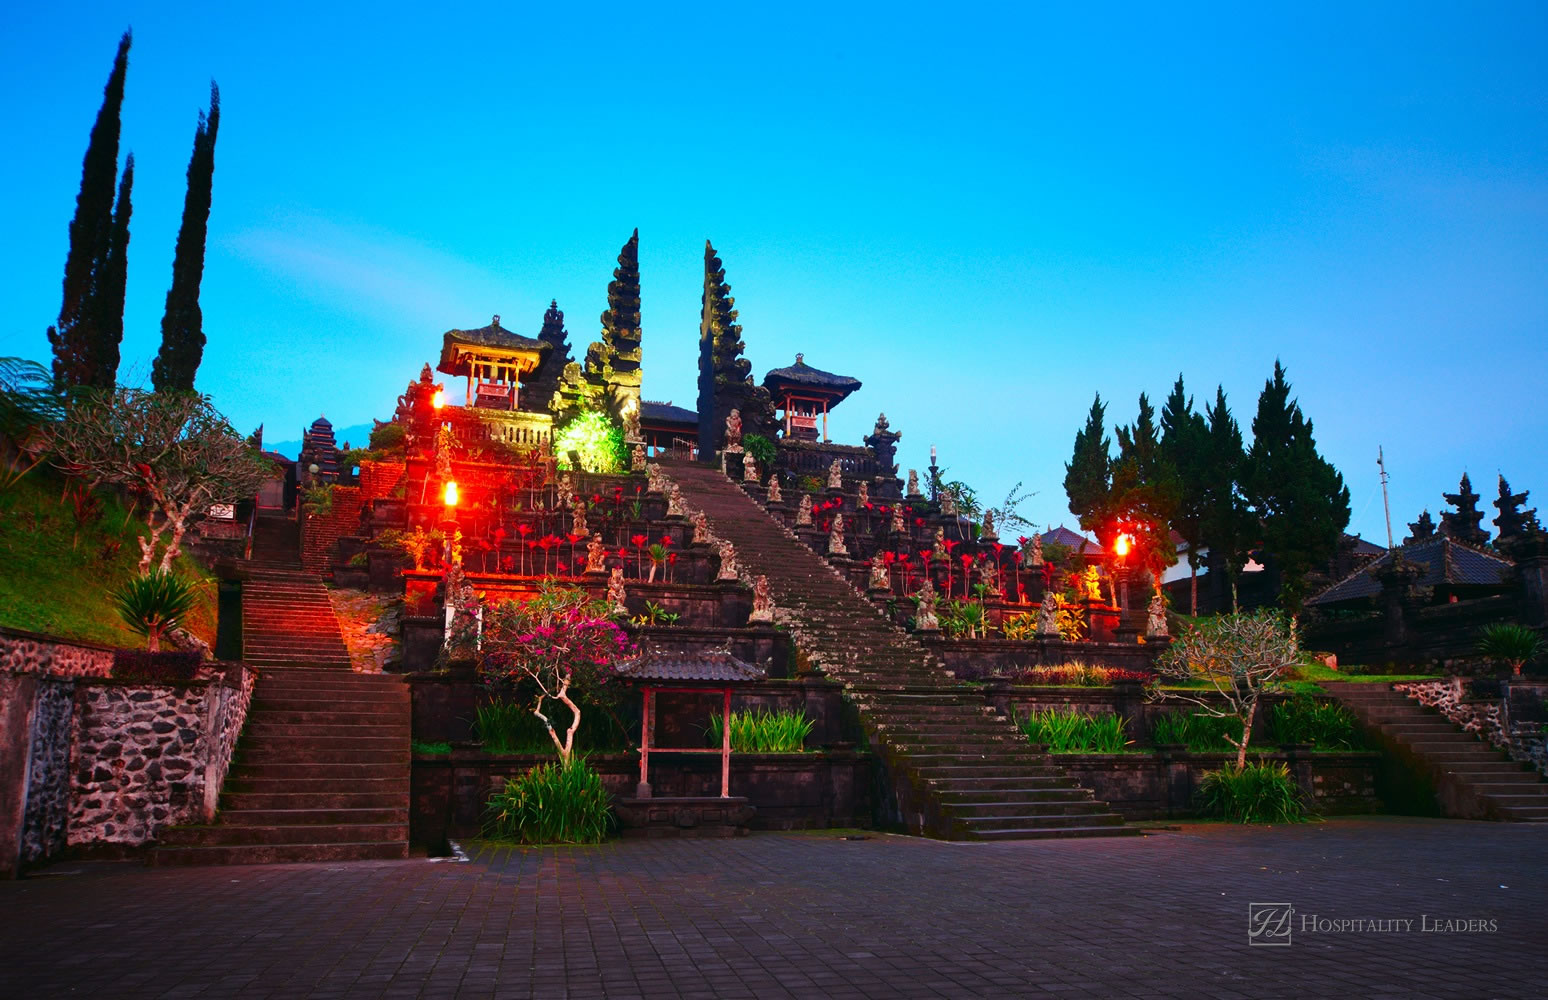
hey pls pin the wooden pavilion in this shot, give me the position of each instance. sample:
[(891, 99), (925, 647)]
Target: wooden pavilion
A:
[(493, 360), (805, 395)]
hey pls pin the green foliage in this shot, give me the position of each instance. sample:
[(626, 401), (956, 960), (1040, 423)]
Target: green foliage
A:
[(596, 438), (1202, 733), (763, 731), (1088, 476), (358, 561), (1022, 626), (1226, 527), (1299, 499), (965, 497), (809, 484), (1073, 732), (551, 804), (46, 554), (153, 605), (1079, 674), (654, 613), (1256, 793), (431, 748), (317, 499), (1515, 644), (1326, 725), (388, 437), (961, 619), (182, 324), (761, 449)]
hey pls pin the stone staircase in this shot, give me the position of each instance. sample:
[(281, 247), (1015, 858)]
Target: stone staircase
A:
[(957, 770), (1471, 779), (288, 621), (321, 774)]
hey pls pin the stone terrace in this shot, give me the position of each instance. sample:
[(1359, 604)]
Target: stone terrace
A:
[(808, 916)]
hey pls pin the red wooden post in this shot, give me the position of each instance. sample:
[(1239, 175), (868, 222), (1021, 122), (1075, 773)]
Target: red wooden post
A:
[(725, 747), (642, 791)]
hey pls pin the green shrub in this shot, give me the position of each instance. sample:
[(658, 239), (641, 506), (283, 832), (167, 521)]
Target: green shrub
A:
[(760, 448), (1073, 732), (1258, 793), (551, 804), (387, 437), (1515, 644), (763, 731), (152, 605), (509, 727), (1202, 733), (358, 561), (434, 748), (1326, 725)]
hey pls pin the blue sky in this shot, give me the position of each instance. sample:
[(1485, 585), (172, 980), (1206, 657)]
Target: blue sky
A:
[(986, 214)]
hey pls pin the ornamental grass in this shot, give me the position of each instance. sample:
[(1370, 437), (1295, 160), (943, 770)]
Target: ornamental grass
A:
[(763, 731), (1073, 732), (551, 804), (1257, 793)]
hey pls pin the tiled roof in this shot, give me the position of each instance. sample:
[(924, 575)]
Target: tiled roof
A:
[(1070, 540), (1443, 560), (716, 667), (495, 335), (666, 413)]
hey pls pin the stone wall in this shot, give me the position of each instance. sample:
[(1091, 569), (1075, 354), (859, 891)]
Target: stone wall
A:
[(29, 653), (46, 823), (146, 756)]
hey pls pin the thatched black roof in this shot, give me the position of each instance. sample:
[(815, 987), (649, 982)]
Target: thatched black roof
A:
[(667, 414), (494, 335), (719, 668), (803, 376)]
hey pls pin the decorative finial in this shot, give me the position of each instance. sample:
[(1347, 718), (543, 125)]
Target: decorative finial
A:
[(799, 356), (496, 320)]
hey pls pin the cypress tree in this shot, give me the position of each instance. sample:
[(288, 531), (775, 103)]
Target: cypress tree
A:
[(77, 337), (1225, 524), (1184, 439), (1088, 476), (1462, 524), (115, 280), (1299, 499), (725, 376), (613, 364), (182, 324), (1145, 491)]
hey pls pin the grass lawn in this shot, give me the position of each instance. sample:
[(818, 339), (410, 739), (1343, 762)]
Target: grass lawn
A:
[(55, 573)]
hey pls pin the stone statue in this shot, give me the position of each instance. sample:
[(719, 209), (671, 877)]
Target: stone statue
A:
[(675, 502), (631, 424), (1155, 619), (836, 475), (913, 483), (925, 619), (637, 459), (989, 576), (566, 488), (596, 552), (897, 519), (578, 517), (881, 574), (727, 562), (615, 591), (1048, 616), (653, 480), (763, 604), (804, 512), (836, 545), (734, 431), (863, 494), (701, 530), (774, 494), (988, 533), (1092, 583), (938, 550), (1037, 550), (749, 470), (948, 504)]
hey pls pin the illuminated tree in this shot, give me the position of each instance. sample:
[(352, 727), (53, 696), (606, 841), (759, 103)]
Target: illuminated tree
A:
[(1298, 498), (1088, 477), (596, 439), (1144, 492), (85, 340), (182, 325)]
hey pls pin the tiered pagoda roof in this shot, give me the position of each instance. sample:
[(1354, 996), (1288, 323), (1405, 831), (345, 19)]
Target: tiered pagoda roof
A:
[(802, 377), (1445, 561)]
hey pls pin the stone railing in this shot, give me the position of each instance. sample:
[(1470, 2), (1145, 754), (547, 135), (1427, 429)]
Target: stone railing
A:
[(813, 458)]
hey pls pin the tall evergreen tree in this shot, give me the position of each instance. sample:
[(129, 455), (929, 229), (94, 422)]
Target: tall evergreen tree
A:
[(725, 376), (1184, 444), (1088, 476), (613, 363), (77, 338), (1145, 491), (1299, 499), (115, 281), (1464, 523), (182, 325), (1226, 525)]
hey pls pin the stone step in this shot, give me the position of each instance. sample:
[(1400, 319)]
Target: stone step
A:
[(302, 771), (981, 825), (275, 752), (1525, 814), (310, 800), (264, 854), (301, 817), (1047, 833), (226, 833), (354, 701), (324, 740), (1069, 805)]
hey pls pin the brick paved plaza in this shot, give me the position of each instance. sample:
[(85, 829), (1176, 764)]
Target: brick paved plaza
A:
[(811, 916)]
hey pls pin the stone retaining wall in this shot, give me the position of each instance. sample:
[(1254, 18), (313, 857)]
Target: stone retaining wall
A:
[(30, 653)]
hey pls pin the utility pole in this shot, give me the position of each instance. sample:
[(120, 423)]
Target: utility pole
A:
[(1385, 506)]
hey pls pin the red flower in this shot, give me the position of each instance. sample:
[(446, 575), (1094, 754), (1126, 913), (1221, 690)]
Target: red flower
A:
[(666, 540), (949, 544), (525, 529), (574, 537), (1023, 540), (672, 557), (967, 559), (889, 558), (919, 522), (638, 541), (623, 553)]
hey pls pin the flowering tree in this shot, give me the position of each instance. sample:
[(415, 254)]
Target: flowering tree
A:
[(1240, 656), (173, 448), (563, 643)]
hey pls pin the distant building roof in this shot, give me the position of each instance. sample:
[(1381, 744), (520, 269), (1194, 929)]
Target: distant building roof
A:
[(720, 668), (1363, 548), (493, 337), (1444, 561), (803, 376), (1070, 540), (666, 413)]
